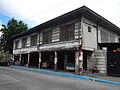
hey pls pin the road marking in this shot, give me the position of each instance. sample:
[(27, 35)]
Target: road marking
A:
[(9, 77), (8, 82)]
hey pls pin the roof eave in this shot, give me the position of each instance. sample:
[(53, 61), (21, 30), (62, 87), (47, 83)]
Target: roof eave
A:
[(75, 13)]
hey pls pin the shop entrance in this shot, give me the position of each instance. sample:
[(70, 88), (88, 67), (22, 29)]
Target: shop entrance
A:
[(47, 60), (16, 58), (88, 62), (34, 59), (66, 60), (24, 58), (60, 63)]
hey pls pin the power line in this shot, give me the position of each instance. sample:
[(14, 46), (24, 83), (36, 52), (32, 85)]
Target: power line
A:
[(98, 1), (28, 19), (46, 10)]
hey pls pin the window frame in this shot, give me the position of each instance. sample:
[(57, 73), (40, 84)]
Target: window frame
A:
[(33, 41), (67, 32), (89, 29), (16, 44), (24, 40), (47, 36)]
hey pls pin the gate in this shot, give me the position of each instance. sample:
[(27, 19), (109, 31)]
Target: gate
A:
[(113, 63)]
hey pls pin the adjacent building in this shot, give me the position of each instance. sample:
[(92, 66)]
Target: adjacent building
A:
[(78, 40)]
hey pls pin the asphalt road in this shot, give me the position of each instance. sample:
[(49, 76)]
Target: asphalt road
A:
[(17, 79)]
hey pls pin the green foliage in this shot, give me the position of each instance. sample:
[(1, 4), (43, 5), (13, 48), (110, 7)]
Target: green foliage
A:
[(13, 27)]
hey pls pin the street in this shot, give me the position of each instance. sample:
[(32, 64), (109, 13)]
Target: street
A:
[(18, 79)]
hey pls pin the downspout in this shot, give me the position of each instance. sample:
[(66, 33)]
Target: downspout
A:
[(97, 26), (39, 42), (39, 64), (80, 47), (97, 33), (79, 27)]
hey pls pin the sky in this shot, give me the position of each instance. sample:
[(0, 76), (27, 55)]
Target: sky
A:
[(35, 12)]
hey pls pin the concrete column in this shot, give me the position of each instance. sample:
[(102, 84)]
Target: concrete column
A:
[(13, 59), (81, 62), (55, 61), (20, 59), (39, 65), (65, 60), (28, 62), (77, 62)]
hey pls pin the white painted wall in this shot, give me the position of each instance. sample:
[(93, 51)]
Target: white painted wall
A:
[(89, 39)]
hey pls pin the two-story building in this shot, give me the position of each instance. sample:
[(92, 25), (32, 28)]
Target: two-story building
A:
[(73, 41)]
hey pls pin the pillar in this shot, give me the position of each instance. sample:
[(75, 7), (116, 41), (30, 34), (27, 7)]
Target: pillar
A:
[(55, 61), (77, 62), (39, 65), (13, 58), (28, 62), (81, 62), (20, 59), (65, 60)]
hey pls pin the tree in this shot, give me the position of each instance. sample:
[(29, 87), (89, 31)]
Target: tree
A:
[(13, 27)]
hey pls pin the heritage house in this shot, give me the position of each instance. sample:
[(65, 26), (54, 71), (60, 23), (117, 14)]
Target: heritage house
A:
[(78, 40)]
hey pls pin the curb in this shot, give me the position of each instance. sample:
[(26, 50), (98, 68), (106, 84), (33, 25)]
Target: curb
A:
[(67, 74)]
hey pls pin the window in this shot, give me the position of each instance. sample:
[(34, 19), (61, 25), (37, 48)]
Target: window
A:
[(16, 44), (47, 37), (107, 37), (34, 40), (24, 42), (67, 32), (104, 36), (112, 37), (89, 29)]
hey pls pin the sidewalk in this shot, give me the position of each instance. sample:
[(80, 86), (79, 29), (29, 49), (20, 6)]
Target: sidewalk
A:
[(111, 78), (93, 77)]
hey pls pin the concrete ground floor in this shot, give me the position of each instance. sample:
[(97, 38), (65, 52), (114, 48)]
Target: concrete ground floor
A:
[(66, 60)]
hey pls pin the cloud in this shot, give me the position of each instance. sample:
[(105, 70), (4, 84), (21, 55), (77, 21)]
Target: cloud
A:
[(34, 12), (23, 9), (1, 27), (109, 9), (0, 24)]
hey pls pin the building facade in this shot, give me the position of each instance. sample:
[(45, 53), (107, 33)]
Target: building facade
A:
[(69, 42)]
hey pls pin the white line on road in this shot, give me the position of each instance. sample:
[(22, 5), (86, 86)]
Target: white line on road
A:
[(9, 80)]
